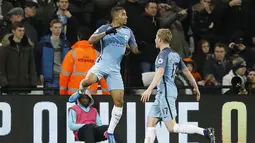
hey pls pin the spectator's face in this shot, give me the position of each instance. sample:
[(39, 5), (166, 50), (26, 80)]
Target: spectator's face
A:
[(205, 48), (251, 77), (122, 17), (151, 9), (30, 11), (16, 18), (241, 71), (190, 67), (19, 32), (56, 29), (219, 53), (84, 100), (63, 4)]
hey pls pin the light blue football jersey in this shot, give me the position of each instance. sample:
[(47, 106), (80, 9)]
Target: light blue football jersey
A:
[(170, 61), (113, 46)]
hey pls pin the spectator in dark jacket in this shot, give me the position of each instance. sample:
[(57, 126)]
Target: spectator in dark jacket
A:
[(251, 82), (235, 16), (134, 9), (44, 12), (5, 6), (70, 23), (17, 66), (29, 21), (50, 52), (17, 3), (202, 53), (146, 30), (217, 65), (205, 21)]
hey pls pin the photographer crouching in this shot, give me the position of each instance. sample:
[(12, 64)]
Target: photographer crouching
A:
[(236, 78)]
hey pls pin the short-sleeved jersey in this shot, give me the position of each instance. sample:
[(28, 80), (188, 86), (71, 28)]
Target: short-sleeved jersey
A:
[(113, 46), (170, 61)]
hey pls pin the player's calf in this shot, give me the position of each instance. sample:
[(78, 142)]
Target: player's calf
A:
[(117, 109)]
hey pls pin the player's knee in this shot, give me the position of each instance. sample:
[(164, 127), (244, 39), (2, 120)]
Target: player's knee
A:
[(170, 127), (86, 82), (151, 121), (171, 130), (118, 97)]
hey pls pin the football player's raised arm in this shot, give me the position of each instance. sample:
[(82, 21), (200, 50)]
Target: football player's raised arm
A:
[(98, 35), (101, 32)]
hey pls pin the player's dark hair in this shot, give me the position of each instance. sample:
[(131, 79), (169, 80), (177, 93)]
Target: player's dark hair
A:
[(17, 25), (116, 10)]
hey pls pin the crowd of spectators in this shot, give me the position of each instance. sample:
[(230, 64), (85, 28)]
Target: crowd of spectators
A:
[(216, 39)]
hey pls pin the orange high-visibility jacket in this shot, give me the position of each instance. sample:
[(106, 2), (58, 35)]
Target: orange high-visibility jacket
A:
[(75, 66)]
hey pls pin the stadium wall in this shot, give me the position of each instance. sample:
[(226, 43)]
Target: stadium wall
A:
[(42, 119)]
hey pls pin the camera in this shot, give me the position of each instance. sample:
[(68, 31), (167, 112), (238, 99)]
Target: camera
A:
[(238, 84)]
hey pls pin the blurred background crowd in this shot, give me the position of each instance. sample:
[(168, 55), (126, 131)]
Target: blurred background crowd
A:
[(44, 42)]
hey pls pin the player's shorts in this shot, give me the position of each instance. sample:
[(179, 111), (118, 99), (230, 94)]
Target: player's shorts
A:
[(164, 106), (113, 77)]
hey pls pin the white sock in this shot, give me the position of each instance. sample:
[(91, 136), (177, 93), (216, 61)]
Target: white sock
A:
[(188, 129), (82, 89), (116, 115), (151, 135)]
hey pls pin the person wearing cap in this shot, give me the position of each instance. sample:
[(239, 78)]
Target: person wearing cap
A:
[(238, 69), (30, 23), (14, 15), (84, 120), (5, 7)]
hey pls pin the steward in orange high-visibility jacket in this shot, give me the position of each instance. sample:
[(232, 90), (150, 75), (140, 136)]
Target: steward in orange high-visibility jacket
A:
[(75, 66)]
